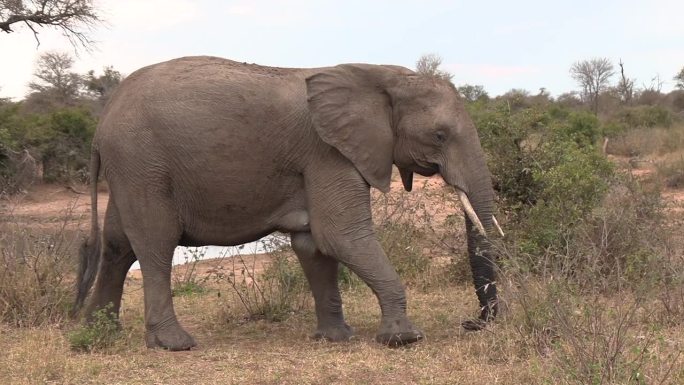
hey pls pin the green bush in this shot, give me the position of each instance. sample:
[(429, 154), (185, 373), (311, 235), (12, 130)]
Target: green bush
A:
[(547, 171), (63, 141), (574, 215), (645, 116), (60, 140), (100, 333), (583, 127)]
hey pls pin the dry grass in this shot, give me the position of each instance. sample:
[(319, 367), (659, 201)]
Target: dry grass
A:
[(641, 142), (234, 350), (552, 330), (35, 266)]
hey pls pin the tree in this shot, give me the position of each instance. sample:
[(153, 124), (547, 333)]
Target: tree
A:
[(55, 81), (680, 79), (473, 93), (102, 86), (73, 17), (593, 76), (429, 65), (625, 86)]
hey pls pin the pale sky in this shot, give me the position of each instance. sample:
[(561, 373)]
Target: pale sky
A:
[(498, 44)]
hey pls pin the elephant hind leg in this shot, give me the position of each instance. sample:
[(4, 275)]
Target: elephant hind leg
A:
[(321, 272), (117, 258), (155, 232)]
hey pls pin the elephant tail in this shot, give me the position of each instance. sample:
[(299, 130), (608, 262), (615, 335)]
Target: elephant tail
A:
[(89, 254)]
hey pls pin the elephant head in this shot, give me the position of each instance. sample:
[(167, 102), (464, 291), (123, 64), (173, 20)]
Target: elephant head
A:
[(377, 116)]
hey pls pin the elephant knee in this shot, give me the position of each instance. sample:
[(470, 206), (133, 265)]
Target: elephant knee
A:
[(303, 243)]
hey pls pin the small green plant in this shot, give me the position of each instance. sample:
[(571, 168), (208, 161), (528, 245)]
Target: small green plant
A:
[(188, 288), (185, 278), (100, 333), (347, 280)]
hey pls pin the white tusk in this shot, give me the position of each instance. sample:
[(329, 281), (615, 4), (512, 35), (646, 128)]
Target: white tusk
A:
[(496, 224), (468, 208)]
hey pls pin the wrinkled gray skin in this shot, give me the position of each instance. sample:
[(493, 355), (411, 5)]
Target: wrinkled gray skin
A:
[(207, 151)]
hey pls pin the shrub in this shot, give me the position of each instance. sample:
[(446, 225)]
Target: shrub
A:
[(589, 307), (272, 294), (645, 116), (582, 127), (100, 333), (60, 140), (570, 181), (647, 141), (672, 173), (546, 170), (34, 270), (402, 244)]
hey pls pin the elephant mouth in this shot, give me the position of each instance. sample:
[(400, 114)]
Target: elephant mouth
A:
[(428, 169)]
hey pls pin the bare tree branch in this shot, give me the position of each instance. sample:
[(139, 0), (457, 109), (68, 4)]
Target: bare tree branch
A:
[(75, 18), (593, 76), (625, 87)]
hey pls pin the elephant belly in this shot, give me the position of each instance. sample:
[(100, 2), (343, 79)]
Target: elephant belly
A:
[(237, 219)]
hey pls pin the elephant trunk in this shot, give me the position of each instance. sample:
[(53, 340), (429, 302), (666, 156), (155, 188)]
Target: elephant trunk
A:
[(474, 183), (482, 261)]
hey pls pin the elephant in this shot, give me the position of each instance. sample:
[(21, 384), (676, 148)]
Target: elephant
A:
[(208, 151)]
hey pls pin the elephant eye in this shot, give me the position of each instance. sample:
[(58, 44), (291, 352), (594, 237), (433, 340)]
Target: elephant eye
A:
[(440, 136)]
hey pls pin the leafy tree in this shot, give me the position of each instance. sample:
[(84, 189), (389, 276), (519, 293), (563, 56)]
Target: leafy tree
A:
[(429, 65), (62, 141), (516, 98), (102, 86), (680, 79), (73, 17), (593, 76), (473, 93)]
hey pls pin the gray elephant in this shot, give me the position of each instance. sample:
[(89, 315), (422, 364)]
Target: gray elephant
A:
[(208, 151)]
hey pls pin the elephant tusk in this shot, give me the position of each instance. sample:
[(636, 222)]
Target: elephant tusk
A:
[(468, 208), (496, 224)]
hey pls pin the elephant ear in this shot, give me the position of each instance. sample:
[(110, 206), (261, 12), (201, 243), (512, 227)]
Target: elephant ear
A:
[(351, 111)]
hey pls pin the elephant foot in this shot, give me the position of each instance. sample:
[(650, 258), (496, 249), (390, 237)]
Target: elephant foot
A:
[(473, 325), (398, 332), (334, 333), (172, 338), (487, 314)]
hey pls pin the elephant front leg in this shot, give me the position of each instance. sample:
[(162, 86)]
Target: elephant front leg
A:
[(341, 226), (369, 262), (321, 272)]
